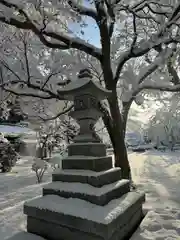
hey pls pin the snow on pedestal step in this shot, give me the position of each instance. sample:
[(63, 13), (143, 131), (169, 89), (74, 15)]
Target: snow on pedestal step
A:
[(56, 218), (96, 179), (100, 196)]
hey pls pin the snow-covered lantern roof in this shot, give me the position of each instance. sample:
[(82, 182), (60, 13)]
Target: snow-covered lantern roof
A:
[(83, 85), (86, 94)]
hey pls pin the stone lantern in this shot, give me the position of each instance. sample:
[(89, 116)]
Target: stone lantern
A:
[(86, 94), (87, 199)]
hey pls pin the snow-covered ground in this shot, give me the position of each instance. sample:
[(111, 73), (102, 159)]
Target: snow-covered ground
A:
[(158, 174), (15, 188)]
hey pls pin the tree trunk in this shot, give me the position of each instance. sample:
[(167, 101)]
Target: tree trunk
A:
[(118, 144), (125, 112), (115, 123), (116, 133), (120, 155)]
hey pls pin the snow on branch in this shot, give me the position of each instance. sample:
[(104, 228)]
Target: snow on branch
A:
[(160, 59), (138, 85), (160, 87), (163, 36), (76, 43), (7, 86), (153, 7), (63, 41), (82, 10)]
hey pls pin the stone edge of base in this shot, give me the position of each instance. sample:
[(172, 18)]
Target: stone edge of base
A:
[(25, 236)]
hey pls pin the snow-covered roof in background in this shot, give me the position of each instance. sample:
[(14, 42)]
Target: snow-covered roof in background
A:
[(9, 129)]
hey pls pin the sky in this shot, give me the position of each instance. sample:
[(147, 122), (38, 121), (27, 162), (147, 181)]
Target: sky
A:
[(91, 32)]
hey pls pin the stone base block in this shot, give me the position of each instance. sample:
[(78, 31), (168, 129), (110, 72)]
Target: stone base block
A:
[(87, 163), (54, 231), (87, 149), (96, 179), (99, 196), (57, 218)]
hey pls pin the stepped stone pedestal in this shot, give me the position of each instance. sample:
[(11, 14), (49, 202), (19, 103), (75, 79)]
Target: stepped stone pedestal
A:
[(87, 199)]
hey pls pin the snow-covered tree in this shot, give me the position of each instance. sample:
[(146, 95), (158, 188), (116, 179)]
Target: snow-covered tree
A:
[(164, 126), (136, 39)]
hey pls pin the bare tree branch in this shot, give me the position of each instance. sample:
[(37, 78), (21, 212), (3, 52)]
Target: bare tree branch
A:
[(135, 32), (58, 115), (49, 78), (5, 65), (28, 94), (26, 60)]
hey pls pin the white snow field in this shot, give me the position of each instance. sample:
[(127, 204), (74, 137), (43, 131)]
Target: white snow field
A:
[(15, 188), (158, 174)]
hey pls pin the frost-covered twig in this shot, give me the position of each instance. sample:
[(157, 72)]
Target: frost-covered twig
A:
[(39, 166)]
